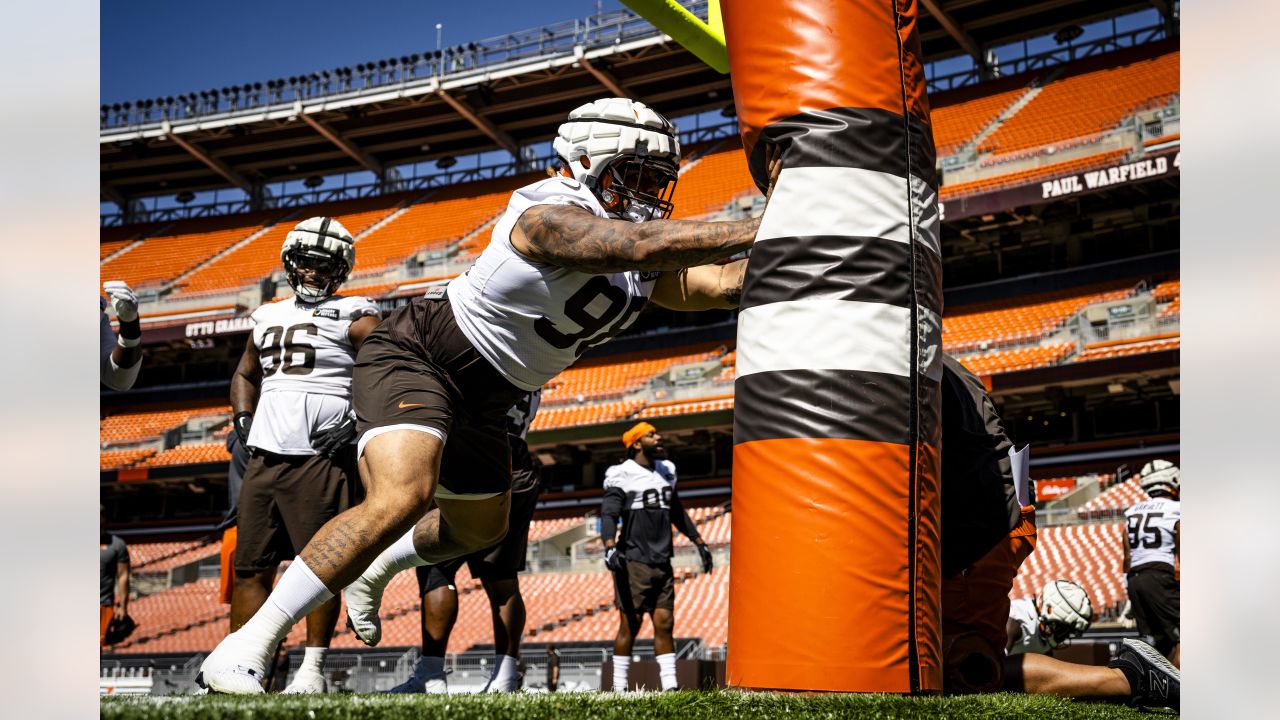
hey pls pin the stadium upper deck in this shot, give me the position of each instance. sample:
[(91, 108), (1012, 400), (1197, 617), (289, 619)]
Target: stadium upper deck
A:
[(504, 93)]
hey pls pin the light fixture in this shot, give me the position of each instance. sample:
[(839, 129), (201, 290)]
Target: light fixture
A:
[(1115, 388)]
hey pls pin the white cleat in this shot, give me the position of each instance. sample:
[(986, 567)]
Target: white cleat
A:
[(364, 597), (234, 668), (306, 682)]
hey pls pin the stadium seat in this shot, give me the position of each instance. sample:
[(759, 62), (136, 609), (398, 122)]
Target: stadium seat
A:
[(160, 259), (190, 455), (1082, 105), (712, 182), (1114, 500), (954, 125), (255, 260), (131, 427)]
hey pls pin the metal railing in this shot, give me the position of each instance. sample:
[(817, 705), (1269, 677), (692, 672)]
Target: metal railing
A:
[(1029, 61), (409, 177), (557, 39)]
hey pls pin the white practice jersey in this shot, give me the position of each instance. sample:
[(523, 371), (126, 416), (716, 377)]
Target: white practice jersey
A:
[(644, 488), (1149, 527), (532, 320), (307, 359), (1023, 612)]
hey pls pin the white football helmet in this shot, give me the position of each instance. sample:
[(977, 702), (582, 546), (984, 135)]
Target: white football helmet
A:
[(1065, 611), (1160, 475), (318, 255), (625, 153)]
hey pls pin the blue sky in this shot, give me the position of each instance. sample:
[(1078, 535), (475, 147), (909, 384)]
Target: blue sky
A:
[(153, 48)]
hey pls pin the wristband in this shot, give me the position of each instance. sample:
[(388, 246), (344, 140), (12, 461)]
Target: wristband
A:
[(125, 342)]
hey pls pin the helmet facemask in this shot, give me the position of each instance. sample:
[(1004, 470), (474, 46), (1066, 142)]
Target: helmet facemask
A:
[(639, 188), (313, 274)]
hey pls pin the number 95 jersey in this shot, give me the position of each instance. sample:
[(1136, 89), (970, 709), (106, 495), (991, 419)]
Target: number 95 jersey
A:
[(1149, 526), (307, 359), (532, 320)]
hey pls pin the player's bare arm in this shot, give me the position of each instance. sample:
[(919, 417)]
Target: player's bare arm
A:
[(360, 330), (705, 287), (573, 238), (246, 380)]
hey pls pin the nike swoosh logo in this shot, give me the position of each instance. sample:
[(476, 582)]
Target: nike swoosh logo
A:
[(404, 404)]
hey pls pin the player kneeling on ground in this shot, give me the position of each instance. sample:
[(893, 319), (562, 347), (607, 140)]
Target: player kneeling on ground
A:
[(1153, 533), (572, 262), (291, 396), (986, 535), (641, 492)]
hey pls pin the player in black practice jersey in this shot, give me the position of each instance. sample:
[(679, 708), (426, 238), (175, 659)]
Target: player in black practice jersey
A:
[(642, 493)]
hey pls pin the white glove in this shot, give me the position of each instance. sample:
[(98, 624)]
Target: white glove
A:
[(122, 299)]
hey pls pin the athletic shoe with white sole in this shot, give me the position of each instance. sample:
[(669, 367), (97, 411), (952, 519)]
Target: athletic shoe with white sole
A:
[(424, 681), (234, 667), (306, 682), (1153, 680)]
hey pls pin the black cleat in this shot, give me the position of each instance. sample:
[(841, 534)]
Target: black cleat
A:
[(1153, 680)]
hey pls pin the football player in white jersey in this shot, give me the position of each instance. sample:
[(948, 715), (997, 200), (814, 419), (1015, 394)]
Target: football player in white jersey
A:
[(642, 493), (572, 261), (1152, 530), (291, 396), (120, 357)]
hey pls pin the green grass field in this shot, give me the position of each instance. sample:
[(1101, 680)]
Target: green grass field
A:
[(571, 706)]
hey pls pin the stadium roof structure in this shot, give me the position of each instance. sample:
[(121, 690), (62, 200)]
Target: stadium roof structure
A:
[(506, 93)]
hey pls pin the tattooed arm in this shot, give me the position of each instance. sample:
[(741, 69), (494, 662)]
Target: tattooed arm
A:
[(702, 288), (573, 238)]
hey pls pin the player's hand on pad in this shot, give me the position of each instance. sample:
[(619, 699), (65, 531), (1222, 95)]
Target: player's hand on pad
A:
[(613, 559), (708, 562), (329, 442), (241, 423), (123, 301)]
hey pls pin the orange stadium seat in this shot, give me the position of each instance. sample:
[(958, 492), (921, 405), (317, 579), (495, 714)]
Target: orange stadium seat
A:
[(136, 426), (436, 222), (161, 556), (567, 415), (1022, 358), (107, 247), (711, 183), (1114, 500), (1137, 346), (1031, 175), (954, 125), (613, 377), (1025, 319), (1084, 104), (114, 459), (261, 257), (667, 409), (190, 455), (161, 258)]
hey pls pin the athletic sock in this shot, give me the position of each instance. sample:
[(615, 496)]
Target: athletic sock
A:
[(505, 674), (667, 670), (313, 659), (621, 666), (299, 592), (400, 556), (296, 595)]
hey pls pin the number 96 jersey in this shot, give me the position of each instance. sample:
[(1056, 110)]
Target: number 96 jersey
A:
[(307, 359), (532, 320)]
